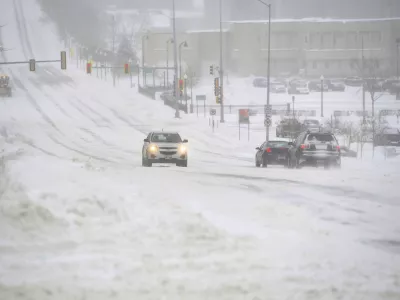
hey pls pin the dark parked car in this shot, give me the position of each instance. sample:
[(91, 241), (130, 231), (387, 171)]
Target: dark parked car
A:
[(260, 82), (314, 149), (353, 81), (346, 152), (389, 83), (288, 128), (272, 153), (312, 125), (335, 85), (388, 137)]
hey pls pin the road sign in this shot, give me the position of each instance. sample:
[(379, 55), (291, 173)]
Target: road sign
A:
[(213, 112), (268, 109), (244, 116), (201, 97), (267, 122)]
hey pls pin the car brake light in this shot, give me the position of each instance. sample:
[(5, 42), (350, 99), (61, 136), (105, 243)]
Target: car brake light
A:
[(268, 150), (338, 148), (305, 146)]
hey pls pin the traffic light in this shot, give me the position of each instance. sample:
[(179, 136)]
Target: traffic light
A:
[(174, 89), (216, 86), (181, 85), (126, 68), (63, 60), (211, 70), (32, 65), (89, 68), (218, 100)]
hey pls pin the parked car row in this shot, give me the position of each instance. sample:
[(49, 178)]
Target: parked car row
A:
[(301, 86)]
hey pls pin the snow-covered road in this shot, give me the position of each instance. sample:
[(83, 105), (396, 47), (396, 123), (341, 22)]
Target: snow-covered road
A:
[(81, 219)]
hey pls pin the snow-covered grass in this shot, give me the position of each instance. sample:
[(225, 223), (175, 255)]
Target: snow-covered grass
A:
[(80, 217)]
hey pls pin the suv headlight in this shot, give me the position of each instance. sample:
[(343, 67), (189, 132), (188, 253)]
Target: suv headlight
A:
[(182, 149), (152, 148)]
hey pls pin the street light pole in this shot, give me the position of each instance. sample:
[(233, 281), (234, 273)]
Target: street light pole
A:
[(144, 74), (184, 44), (398, 54), (268, 63), (322, 96), (221, 68), (168, 42), (175, 61)]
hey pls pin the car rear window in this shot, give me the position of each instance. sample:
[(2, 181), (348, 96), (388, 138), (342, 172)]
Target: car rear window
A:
[(166, 138), (277, 144), (321, 138), (311, 122)]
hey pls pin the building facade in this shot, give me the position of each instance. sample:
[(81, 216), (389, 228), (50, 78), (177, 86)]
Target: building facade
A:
[(312, 47)]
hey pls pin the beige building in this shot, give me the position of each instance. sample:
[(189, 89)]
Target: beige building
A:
[(312, 47)]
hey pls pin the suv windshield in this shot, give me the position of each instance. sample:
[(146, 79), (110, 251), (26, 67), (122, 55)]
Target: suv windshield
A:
[(166, 138), (321, 138)]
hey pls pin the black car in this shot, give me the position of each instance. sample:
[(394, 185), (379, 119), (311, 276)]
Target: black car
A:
[(353, 81), (346, 152), (272, 153), (389, 83), (260, 82), (314, 149), (388, 137), (335, 85)]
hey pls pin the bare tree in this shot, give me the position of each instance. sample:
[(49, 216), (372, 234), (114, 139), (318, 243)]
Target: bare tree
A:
[(371, 73)]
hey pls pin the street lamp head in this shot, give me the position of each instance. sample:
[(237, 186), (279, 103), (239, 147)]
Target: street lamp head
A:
[(398, 41), (322, 77), (185, 44), (185, 76)]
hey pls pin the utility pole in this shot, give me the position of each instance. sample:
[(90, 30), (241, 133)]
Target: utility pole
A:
[(113, 49), (268, 63), (221, 68), (363, 78), (175, 61)]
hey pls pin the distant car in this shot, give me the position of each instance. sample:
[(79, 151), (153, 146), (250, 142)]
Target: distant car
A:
[(335, 85), (374, 84), (389, 83), (5, 87), (388, 137), (278, 88), (288, 128), (166, 94), (346, 152), (353, 81), (260, 82), (312, 125), (272, 153), (298, 87), (313, 85), (314, 149), (164, 147)]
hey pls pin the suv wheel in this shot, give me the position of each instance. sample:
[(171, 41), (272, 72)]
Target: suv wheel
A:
[(257, 163), (265, 162), (182, 164)]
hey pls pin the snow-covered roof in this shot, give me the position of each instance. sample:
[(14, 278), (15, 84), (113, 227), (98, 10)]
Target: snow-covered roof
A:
[(314, 20)]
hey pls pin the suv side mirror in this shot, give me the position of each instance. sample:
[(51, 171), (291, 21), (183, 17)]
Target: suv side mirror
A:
[(146, 141), (185, 141), (258, 148), (290, 144)]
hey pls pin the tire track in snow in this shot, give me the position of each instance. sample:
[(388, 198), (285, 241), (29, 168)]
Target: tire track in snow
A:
[(99, 158)]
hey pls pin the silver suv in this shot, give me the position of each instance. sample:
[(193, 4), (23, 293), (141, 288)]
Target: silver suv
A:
[(164, 147)]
